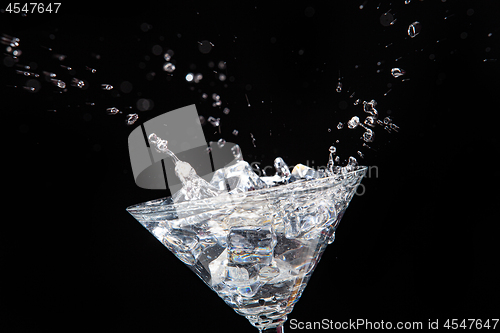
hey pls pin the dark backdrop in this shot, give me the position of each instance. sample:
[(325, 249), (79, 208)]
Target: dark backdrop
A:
[(419, 244)]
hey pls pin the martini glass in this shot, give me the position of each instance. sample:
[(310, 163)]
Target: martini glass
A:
[(257, 249)]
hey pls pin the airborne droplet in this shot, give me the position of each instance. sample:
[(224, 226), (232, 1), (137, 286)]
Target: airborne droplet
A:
[(112, 110), (414, 29), (397, 72), (353, 123), (169, 67), (131, 118)]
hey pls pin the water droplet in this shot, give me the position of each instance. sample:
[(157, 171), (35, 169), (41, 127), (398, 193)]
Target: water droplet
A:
[(92, 70), (106, 86), (339, 86), (213, 121), (58, 83), (369, 107), (167, 56), (369, 135), (236, 150), (370, 121), (153, 138), (169, 67), (189, 77), (253, 139), (112, 110), (394, 127), (356, 102), (407, 2), (77, 83), (221, 143), (353, 123), (332, 149), (387, 120), (340, 125), (235, 132), (131, 118), (361, 154), (226, 110), (221, 65), (414, 29), (397, 72), (222, 77)]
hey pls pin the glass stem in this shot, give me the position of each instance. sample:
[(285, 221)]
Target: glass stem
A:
[(278, 329)]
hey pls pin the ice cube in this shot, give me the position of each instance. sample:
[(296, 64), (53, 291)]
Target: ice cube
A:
[(272, 180), (218, 268), (193, 186), (184, 244), (281, 167), (251, 244), (305, 172), (236, 178)]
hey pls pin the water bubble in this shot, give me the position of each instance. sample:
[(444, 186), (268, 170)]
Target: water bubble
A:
[(386, 19), (167, 56), (197, 78), (106, 86), (202, 120), (340, 125), (339, 86), (397, 72), (414, 29), (226, 110), (222, 77), (369, 135), (221, 143), (360, 154), (235, 132), (356, 102), (221, 65), (353, 123), (407, 2), (189, 77), (332, 149), (131, 118), (92, 70), (205, 46), (387, 120), (112, 110), (59, 57), (169, 67), (144, 104), (204, 96)]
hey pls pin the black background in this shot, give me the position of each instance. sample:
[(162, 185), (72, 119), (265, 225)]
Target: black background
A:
[(419, 244)]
